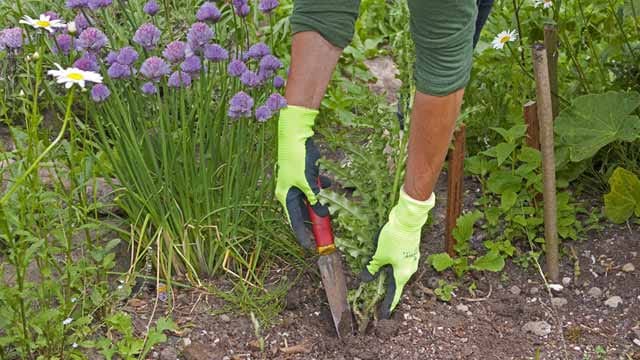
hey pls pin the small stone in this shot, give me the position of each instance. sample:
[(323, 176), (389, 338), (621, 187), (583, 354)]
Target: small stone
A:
[(595, 292), (534, 290), (636, 341), (432, 282), (628, 267), (558, 302), (225, 318), (186, 341), (556, 287), (168, 354), (539, 328), (599, 269), (566, 281), (613, 301), (462, 308), (515, 290)]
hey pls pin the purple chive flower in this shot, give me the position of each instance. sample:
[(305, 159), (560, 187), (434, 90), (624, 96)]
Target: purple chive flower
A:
[(63, 43), (278, 82), (263, 113), (81, 22), (240, 105), (151, 7), (257, 51), (87, 62), (149, 88), (52, 15), (250, 79), (100, 93), (92, 39), (270, 63), (208, 12), (175, 51), (236, 68), (111, 57), (11, 38), (199, 35), (215, 52), (241, 7), (266, 6), (118, 71), (154, 68), (147, 36), (191, 64), (127, 56), (77, 4), (179, 79), (98, 4), (276, 102)]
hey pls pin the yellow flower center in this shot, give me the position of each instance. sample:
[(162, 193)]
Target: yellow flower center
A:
[(43, 23), (505, 39), (75, 76)]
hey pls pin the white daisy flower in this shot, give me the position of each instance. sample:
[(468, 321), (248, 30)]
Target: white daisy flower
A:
[(74, 299), (71, 27), (74, 345), (44, 22), (545, 3), (70, 76), (503, 38), (67, 321)]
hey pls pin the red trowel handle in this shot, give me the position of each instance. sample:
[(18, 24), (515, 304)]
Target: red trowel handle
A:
[(322, 231)]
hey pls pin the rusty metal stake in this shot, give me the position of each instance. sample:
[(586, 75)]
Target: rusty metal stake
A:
[(455, 187)]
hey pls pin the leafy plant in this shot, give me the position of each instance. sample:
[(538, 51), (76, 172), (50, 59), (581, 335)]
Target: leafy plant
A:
[(623, 201), (445, 290)]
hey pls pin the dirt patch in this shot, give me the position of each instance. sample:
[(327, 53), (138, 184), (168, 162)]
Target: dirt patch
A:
[(510, 316)]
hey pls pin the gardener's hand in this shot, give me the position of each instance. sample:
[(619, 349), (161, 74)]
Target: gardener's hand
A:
[(398, 248), (297, 178)]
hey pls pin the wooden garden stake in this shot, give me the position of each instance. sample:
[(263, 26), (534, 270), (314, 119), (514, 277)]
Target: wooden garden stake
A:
[(545, 116), (455, 187), (533, 127), (551, 45)]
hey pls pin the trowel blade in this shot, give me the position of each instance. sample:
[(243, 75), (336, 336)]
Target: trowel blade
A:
[(335, 286)]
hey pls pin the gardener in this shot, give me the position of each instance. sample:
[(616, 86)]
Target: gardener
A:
[(444, 32)]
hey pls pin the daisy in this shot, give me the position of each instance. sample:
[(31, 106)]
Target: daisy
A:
[(70, 76), (503, 38), (67, 321), (44, 22), (545, 3)]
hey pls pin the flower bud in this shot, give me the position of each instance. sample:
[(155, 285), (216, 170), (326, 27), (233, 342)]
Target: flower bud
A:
[(35, 56), (71, 27)]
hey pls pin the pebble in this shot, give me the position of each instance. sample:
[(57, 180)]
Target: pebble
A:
[(462, 307), (558, 302), (515, 290), (598, 269), (540, 328), (566, 281), (432, 282), (534, 290), (225, 318), (556, 287), (186, 341), (613, 301), (595, 292), (628, 267), (168, 354)]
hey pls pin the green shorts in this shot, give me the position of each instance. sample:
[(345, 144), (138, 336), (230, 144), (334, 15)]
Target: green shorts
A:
[(442, 30)]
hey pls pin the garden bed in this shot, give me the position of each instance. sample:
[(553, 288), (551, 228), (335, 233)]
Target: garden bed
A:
[(489, 325)]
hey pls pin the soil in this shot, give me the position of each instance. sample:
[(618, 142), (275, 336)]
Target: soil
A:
[(487, 324)]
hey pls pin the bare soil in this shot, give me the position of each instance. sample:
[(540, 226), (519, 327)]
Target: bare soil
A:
[(490, 327)]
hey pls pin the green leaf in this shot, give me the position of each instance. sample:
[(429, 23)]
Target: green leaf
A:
[(440, 262), (464, 226), (492, 261), (530, 156), (507, 200), (503, 151), (624, 199), (502, 181), (596, 120)]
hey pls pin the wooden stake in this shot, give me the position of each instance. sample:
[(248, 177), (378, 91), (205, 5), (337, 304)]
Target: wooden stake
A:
[(455, 180), (533, 127), (551, 45), (545, 116)]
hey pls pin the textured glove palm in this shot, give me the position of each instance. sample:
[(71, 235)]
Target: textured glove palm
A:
[(297, 170), (398, 247)]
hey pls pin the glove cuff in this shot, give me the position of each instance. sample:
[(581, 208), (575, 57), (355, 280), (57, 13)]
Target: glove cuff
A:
[(297, 120), (411, 214)]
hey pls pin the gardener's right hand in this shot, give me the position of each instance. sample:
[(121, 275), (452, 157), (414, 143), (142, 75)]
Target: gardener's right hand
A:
[(297, 170)]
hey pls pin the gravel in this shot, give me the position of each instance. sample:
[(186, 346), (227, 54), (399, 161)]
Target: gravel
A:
[(628, 267), (613, 301), (595, 292), (540, 328)]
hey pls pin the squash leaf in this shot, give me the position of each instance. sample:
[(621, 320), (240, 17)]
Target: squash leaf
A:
[(624, 199)]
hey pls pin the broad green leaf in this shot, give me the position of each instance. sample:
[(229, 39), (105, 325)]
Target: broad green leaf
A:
[(624, 199), (512, 134), (440, 262), (502, 181), (507, 200), (492, 261), (503, 151), (530, 156), (596, 120), (464, 225)]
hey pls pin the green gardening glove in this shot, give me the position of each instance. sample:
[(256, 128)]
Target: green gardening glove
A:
[(297, 178), (398, 247)]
